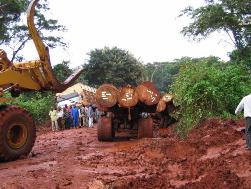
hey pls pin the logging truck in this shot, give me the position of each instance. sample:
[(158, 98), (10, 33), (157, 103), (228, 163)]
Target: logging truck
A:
[(138, 110)]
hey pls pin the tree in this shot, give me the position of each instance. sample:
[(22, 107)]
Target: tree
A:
[(231, 16), (112, 65), (10, 12), (161, 74), (149, 71), (14, 33), (62, 71)]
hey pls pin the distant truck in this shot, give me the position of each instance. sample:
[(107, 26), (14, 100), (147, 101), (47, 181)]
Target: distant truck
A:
[(69, 99)]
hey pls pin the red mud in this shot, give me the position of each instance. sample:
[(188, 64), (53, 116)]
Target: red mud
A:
[(213, 156)]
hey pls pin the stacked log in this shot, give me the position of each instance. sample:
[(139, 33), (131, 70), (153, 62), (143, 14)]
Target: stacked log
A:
[(106, 96), (127, 97), (163, 102), (146, 93), (88, 97), (167, 97), (161, 106)]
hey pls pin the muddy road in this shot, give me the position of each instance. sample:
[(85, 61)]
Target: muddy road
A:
[(213, 156)]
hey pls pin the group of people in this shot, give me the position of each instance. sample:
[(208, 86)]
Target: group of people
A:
[(73, 116)]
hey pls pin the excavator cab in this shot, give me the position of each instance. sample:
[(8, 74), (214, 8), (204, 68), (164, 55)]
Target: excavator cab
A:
[(17, 128)]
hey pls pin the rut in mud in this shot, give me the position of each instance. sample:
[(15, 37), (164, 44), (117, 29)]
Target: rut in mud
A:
[(213, 156)]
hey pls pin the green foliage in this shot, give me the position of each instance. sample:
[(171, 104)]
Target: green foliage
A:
[(112, 65), (10, 11), (14, 34), (38, 104), (161, 74), (231, 16), (242, 56), (204, 88), (62, 71), (208, 87)]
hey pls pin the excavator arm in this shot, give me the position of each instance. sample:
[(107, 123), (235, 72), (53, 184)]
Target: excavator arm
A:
[(32, 75), (17, 128)]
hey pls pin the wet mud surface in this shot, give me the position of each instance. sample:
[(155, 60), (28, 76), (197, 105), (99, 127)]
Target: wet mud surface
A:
[(213, 156)]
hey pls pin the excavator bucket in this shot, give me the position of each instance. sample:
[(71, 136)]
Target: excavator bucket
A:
[(50, 82)]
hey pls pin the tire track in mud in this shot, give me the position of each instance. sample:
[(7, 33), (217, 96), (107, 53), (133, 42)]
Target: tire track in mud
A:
[(213, 156)]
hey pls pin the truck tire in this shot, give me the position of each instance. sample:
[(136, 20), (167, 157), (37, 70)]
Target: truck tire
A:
[(105, 130), (17, 133), (145, 127)]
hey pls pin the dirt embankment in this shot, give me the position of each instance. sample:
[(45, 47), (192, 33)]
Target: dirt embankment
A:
[(213, 156)]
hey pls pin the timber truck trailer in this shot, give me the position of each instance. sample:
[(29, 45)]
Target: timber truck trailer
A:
[(139, 111), (17, 127)]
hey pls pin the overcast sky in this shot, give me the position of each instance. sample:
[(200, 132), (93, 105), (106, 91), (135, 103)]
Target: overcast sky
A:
[(149, 29)]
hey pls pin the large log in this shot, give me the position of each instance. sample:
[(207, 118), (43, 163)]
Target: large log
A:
[(161, 106), (106, 95), (88, 97), (167, 97), (164, 102), (147, 93), (127, 97)]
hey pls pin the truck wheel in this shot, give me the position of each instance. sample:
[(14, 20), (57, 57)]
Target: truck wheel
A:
[(17, 133), (105, 130), (145, 128)]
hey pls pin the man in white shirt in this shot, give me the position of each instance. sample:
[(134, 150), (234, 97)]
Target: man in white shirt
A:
[(246, 105), (54, 119), (90, 115)]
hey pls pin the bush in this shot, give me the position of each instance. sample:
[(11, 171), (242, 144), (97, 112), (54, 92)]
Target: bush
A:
[(38, 104), (204, 88)]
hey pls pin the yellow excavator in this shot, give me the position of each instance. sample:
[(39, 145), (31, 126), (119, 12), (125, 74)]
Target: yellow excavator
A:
[(17, 128)]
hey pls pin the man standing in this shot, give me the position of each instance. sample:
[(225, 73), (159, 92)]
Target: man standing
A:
[(83, 116), (54, 117), (75, 116), (86, 117), (60, 114), (246, 105), (90, 115), (67, 117)]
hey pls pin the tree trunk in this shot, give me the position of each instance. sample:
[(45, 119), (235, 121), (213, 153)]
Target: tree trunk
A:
[(148, 94), (127, 97), (106, 95)]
